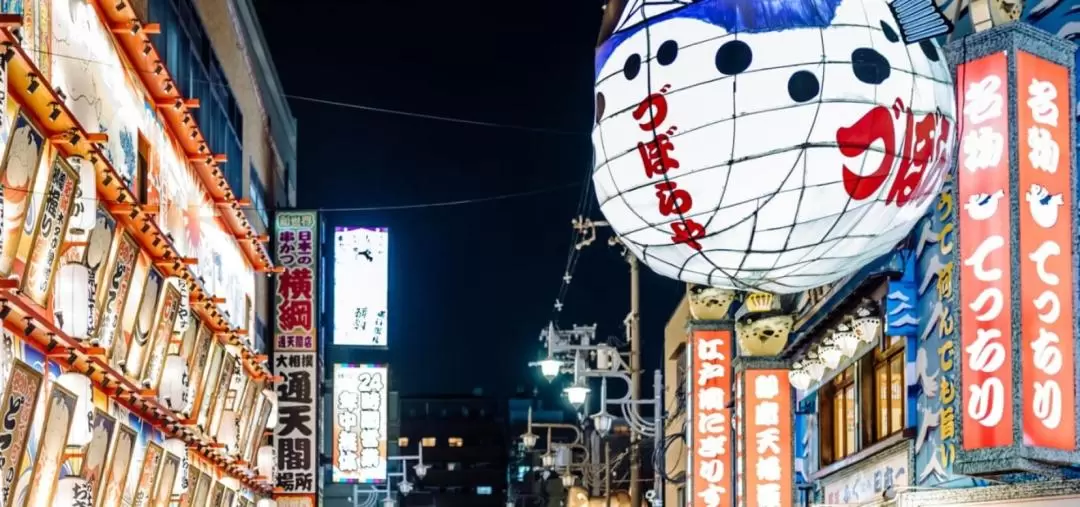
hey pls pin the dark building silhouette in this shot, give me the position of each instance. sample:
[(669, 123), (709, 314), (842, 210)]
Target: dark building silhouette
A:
[(465, 444)]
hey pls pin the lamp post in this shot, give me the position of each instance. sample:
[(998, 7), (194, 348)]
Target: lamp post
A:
[(404, 486), (549, 454)]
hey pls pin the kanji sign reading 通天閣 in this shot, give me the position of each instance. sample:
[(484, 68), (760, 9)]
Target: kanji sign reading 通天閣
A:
[(296, 236), (295, 437)]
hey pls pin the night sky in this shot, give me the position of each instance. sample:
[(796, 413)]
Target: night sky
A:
[(471, 285)]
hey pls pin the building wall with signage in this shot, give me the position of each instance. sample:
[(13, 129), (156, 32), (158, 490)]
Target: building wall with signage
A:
[(128, 301)]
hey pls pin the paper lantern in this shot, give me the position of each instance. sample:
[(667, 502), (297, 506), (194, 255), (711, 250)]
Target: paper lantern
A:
[(230, 482), (830, 351), (265, 461), (183, 314), (266, 502), (173, 391), (847, 339), (73, 492), (834, 142), (227, 431), (799, 377), (179, 448), (70, 296), (272, 417), (85, 212), (82, 421)]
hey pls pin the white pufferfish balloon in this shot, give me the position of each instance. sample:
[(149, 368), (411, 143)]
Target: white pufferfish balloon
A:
[(775, 145)]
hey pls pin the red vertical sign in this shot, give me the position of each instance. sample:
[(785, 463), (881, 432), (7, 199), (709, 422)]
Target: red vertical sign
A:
[(710, 443), (983, 193), (769, 440), (1046, 279)]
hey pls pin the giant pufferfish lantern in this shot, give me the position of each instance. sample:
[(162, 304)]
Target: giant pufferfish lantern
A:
[(774, 145)]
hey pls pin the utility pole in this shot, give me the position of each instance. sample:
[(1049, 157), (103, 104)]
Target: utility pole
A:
[(587, 230)]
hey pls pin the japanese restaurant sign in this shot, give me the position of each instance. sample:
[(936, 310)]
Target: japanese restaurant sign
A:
[(769, 452), (711, 445), (984, 225), (296, 243), (1046, 253), (296, 435), (49, 231)]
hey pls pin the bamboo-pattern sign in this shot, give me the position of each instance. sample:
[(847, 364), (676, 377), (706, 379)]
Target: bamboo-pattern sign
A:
[(17, 409), (49, 231)]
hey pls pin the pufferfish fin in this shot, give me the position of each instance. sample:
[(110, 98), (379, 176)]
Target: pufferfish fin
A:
[(920, 20)]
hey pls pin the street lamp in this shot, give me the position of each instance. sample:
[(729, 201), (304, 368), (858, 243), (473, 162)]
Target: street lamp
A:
[(549, 368), (389, 502), (577, 393), (603, 421), (529, 440), (405, 487), (547, 460), (568, 480), (420, 469)]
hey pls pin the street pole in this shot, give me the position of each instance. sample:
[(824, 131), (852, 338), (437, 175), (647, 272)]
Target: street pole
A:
[(635, 377), (607, 473)]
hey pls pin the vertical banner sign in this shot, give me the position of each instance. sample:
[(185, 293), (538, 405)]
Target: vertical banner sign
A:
[(1046, 253), (295, 357), (983, 191), (49, 231), (740, 447), (16, 410), (710, 441), (769, 449), (359, 437), (121, 268)]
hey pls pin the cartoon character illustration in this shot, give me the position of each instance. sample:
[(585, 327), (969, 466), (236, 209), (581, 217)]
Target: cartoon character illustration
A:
[(719, 122)]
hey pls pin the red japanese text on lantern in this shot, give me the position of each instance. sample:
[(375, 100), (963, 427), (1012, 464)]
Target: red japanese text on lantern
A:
[(984, 229), (295, 301), (769, 452), (918, 153), (711, 443), (1046, 252), (658, 158)]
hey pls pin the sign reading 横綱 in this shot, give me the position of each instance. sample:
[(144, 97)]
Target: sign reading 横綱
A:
[(296, 243), (1015, 203), (983, 191), (711, 453), (1046, 248), (765, 422), (295, 436)]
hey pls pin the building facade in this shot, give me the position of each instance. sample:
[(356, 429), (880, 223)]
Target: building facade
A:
[(465, 444), (926, 378), (134, 279)]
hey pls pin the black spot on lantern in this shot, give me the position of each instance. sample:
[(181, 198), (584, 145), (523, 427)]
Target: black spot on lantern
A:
[(632, 66), (890, 33), (803, 86), (870, 66), (667, 52), (733, 57)]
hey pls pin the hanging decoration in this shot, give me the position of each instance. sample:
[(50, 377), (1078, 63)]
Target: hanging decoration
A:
[(73, 491), (173, 390), (834, 142), (72, 300), (183, 313), (272, 417), (84, 213), (265, 461), (82, 420), (178, 447)]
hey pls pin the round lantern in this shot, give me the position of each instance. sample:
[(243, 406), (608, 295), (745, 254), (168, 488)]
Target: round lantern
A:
[(775, 146), (85, 212), (179, 448), (174, 383), (70, 300), (183, 314), (265, 460), (82, 421), (266, 502), (272, 417), (73, 492), (227, 431)]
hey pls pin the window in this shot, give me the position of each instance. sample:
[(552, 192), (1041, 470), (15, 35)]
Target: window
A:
[(889, 387), (483, 490), (455, 442), (428, 442), (403, 441), (839, 434), (680, 378)]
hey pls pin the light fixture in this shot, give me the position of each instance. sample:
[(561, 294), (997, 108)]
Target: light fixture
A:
[(34, 84), (867, 323), (577, 393), (405, 487), (420, 469), (528, 440), (168, 86), (82, 422), (121, 5), (567, 480), (603, 421), (814, 365), (546, 474), (799, 377), (550, 367), (846, 339), (389, 502), (147, 48), (830, 352), (55, 113), (158, 68), (547, 460)]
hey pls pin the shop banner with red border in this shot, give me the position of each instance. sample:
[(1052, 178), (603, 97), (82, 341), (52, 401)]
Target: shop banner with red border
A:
[(711, 464), (1044, 115), (769, 452), (296, 241), (984, 231)]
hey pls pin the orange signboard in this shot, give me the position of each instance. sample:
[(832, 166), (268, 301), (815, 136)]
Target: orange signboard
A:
[(984, 230), (710, 435), (770, 444), (1046, 280)]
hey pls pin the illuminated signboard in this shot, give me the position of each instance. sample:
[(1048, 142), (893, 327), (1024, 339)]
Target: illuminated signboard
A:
[(710, 386), (359, 437), (361, 276)]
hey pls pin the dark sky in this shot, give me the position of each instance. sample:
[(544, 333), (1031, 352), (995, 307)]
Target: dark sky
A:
[(471, 285)]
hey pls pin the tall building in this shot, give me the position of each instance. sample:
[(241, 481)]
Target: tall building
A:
[(464, 442)]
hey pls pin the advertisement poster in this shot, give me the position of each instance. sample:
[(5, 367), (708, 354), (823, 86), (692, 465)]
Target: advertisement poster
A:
[(361, 282), (359, 438), (296, 244)]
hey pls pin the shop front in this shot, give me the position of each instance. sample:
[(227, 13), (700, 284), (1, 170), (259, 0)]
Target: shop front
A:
[(1030, 494)]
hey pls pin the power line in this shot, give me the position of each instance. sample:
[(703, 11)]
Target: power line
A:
[(459, 201)]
